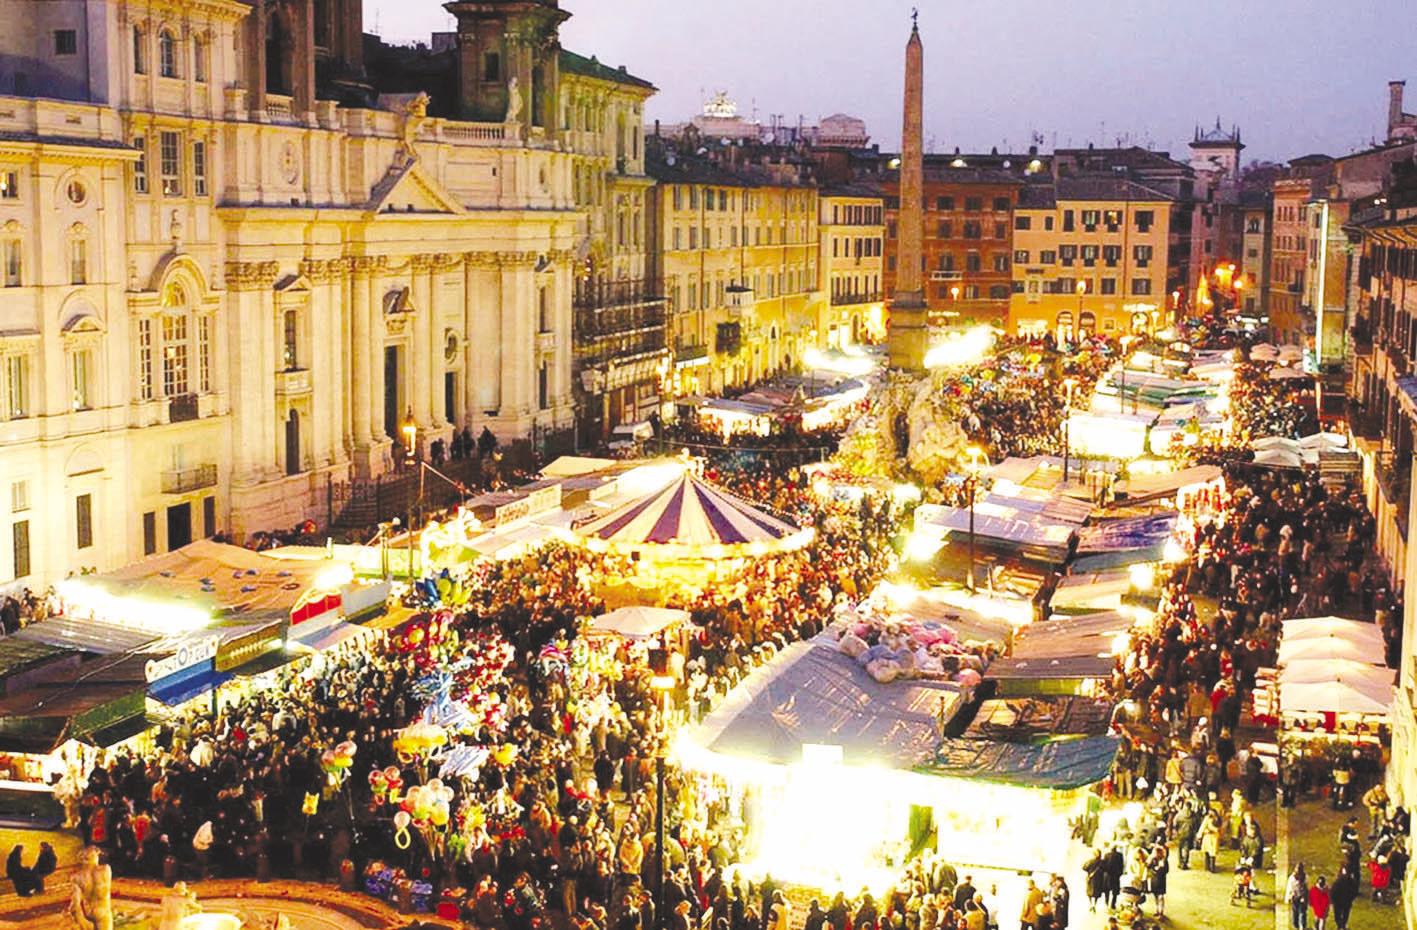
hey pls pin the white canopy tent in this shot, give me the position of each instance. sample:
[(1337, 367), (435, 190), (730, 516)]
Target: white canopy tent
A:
[(638, 622), (1341, 697), (1355, 631), (1336, 671), (1329, 648)]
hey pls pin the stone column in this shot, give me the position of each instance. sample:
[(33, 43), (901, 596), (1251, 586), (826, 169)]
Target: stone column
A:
[(518, 370), (361, 338), (420, 366), (377, 335), (256, 62), (302, 69), (485, 333), (249, 329)]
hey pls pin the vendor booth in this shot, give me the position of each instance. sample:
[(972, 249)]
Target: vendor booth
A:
[(1065, 655)]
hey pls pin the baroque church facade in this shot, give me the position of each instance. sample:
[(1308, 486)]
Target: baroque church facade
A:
[(235, 265)]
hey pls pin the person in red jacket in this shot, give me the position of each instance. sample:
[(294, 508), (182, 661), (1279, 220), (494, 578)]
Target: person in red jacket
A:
[(1319, 902)]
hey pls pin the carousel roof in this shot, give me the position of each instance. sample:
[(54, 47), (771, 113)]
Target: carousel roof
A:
[(691, 519)]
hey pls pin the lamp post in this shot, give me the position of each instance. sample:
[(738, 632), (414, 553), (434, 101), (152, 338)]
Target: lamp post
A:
[(1077, 323), (410, 456), (973, 467), (1069, 384)]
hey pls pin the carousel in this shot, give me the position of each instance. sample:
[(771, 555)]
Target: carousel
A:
[(687, 534)]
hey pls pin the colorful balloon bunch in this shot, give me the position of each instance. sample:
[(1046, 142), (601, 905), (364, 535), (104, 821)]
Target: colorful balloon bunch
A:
[(418, 741), (385, 784), (425, 807), (336, 762)]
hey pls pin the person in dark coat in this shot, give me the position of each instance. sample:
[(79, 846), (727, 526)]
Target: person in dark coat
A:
[(816, 917), (19, 874), (1096, 880), (44, 866), (1113, 865), (837, 915), (964, 893), (1342, 893)]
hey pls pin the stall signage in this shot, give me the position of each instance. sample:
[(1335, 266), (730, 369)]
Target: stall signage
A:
[(538, 501), (242, 649), (186, 656)]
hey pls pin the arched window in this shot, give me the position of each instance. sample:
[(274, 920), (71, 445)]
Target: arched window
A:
[(140, 51), (167, 53)]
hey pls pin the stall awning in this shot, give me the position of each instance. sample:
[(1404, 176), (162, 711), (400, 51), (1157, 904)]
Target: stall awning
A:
[(638, 622), (37, 736), (115, 733), (87, 635), (1141, 487), (1060, 765), (1039, 719), (331, 636), (185, 688)]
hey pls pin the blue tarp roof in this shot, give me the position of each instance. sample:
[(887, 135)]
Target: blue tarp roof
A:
[(185, 687), (1060, 765), (811, 693), (1123, 542)]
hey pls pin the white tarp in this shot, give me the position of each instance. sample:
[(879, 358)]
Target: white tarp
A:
[(1318, 627), (1345, 697), (638, 622), (1169, 483), (1329, 648), (1100, 591), (571, 466), (1336, 671)]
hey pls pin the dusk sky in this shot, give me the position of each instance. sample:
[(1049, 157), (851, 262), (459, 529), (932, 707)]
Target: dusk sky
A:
[(1298, 76)]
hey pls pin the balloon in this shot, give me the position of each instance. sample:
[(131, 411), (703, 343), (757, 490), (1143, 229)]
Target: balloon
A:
[(346, 749), (440, 814), (402, 819)]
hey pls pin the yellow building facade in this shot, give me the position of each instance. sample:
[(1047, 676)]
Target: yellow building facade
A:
[(738, 254), (1090, 257), (852, 235)]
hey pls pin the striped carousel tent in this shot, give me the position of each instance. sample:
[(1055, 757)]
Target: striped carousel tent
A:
[(690, 519)]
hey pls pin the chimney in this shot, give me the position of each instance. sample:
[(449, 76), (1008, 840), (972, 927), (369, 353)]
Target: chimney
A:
[(1394, 106)]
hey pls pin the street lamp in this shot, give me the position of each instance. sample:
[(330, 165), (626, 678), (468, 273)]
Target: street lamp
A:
[(1069, 384), (974, 465), (410, 455), (662, 682), (409, 430)]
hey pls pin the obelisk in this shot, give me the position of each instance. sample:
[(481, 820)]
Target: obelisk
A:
[(909, 328)]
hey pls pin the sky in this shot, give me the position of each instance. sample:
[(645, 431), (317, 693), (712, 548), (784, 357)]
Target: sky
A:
[(1297, 76)]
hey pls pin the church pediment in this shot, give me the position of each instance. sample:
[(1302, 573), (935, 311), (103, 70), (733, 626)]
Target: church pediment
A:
[(410, 189)]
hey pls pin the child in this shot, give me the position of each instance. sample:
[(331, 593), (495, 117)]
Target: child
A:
[(1244, 885)]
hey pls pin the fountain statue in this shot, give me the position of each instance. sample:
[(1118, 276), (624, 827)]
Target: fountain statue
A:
[(90, 906)]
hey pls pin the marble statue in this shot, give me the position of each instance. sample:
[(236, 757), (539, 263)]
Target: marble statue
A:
[(177, 904), (91, 905), (514, 100)]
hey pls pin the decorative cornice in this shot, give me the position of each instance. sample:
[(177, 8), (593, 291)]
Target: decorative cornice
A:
[(324, 271), (250, 276)]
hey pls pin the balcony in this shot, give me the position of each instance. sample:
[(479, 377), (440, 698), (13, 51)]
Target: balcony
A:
[(1394, 474), (691, 356), (1397, 359), (1363, 422), (946, 275), (280, 108), (182, 407), (185, 480), (293, 382), (595, 324), (848, 300), (607, 295), (546, 341)]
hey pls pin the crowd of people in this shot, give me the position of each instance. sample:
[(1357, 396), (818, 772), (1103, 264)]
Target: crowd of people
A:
[(559, 816)]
